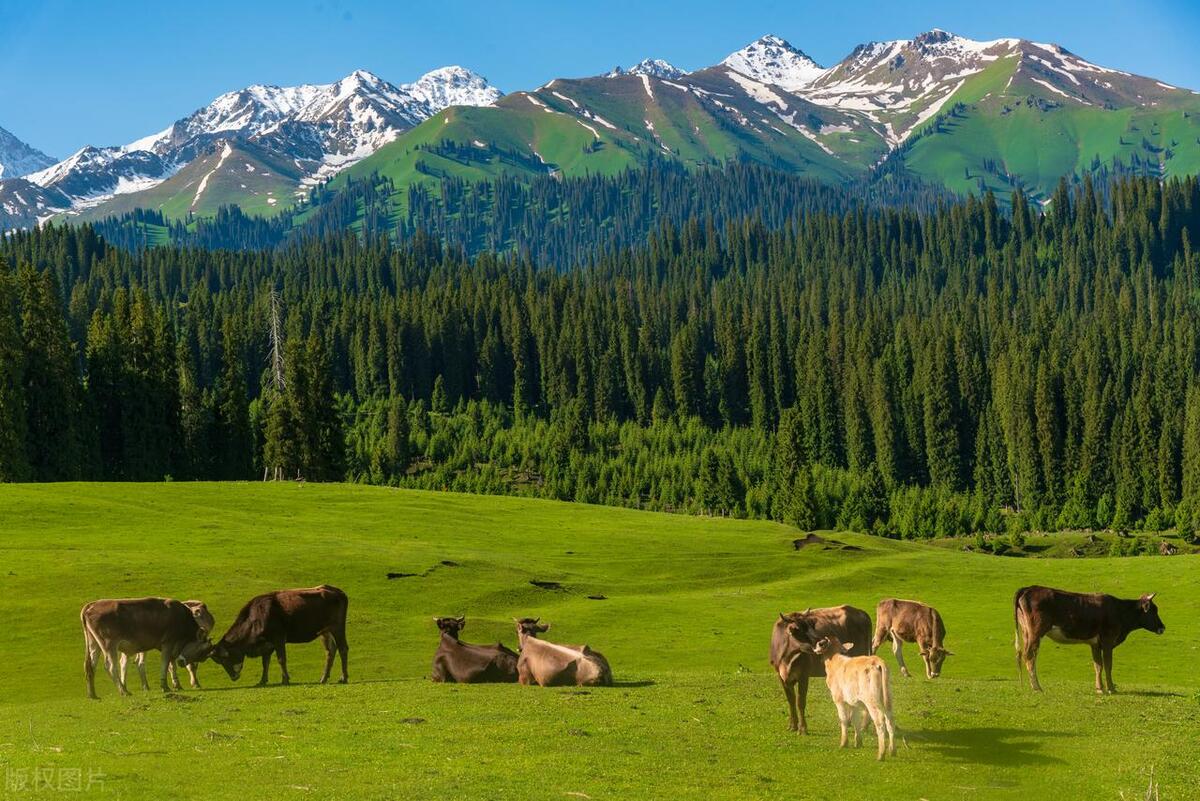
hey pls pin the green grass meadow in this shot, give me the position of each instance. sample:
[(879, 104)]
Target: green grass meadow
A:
[(686, 621)]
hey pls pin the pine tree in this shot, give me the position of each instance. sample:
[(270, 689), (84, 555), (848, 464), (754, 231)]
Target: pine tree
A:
[(14, 460)]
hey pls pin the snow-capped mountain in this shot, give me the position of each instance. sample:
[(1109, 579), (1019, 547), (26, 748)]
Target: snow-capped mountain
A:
[(320, 128), (652, 67), (18, 158), (773, 61)]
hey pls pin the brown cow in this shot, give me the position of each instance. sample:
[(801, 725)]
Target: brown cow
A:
[(549, 664), (859, 684), (911, 621), (268, 622), (205, 619), (462, 663), (1072, 618), (793, 658), (124, 627)]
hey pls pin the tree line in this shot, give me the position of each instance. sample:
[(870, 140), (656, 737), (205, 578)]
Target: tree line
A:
[(914, 373)]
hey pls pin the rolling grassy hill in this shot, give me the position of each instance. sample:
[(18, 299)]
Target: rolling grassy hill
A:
[(686, 623)]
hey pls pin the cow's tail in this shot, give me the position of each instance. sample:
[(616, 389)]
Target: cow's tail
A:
[(886, 680)]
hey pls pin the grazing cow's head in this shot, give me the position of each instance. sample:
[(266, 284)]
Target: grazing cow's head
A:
[(195, 652), (828, 646), (935, 655), (451, 625), (228, 659), (1150, 620), (530, 626)]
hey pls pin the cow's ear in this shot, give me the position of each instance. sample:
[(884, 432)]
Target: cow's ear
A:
[(847, 647), (947, 653)]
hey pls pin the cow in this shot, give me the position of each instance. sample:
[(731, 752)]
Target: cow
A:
[(458, 662), (1073, 618), (911, 621), (123, 627), (205, 619), (267, 623), (549, 664), (859, 684), (792, 656)]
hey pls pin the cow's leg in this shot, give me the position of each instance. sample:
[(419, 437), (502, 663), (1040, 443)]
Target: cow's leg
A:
[(1029, 656), (1112, 688), (266, 660), (90, 652), (140, 659), (802, 701), (192, 678), (789, 697), (169, 652), (174, 670), (880, 731), (1098, 666), (845, 713), (328, 642), (344, 653), (281, 655), (859, 719), (123, 659), (112, 662), (898, 650)]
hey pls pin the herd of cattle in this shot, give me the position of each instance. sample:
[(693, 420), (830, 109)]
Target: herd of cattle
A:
[(835, 642)]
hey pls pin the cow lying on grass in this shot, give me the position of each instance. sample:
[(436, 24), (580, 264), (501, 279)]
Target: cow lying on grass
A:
[(548, 664), (1073, 618), (792, 654), (121, 628), (462, 663), (911, 621), (267, 623), (859, 686)]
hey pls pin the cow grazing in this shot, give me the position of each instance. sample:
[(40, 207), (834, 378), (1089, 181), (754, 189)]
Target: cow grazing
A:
[(792, 656), (269, 622), (205, 619), (1073, 618), (549, 664), (911, 621), (462, 663), (859, 684), (121, 628)]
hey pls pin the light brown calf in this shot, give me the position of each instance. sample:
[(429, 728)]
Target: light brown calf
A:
[(549, 664), (859, 684), (911, 621)]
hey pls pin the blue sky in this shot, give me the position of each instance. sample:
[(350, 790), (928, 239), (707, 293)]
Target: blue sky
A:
[(75, 73)]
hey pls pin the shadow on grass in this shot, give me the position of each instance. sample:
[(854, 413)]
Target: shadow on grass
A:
[(989, 745), (642, 683)]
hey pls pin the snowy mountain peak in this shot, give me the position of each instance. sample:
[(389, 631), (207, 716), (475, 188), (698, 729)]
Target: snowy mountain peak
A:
[(18, 158), (653, 67), (771, 59), (454, 86)]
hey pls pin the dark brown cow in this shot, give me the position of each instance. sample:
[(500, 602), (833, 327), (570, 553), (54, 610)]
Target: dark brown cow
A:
[(792, 655), (122, 628), (911, 621), (462, 663), (1073, 618), (549, 664), (268, 622)]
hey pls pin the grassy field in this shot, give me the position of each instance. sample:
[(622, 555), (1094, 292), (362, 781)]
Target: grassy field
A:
[(685, 623)]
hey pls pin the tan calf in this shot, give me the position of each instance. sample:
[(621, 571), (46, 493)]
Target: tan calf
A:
[(859, 684)]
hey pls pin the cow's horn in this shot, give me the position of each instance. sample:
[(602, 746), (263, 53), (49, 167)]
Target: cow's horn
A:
[(1150, 597)]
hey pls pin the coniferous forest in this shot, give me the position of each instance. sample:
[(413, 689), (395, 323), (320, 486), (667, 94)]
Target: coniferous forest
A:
[(965, 368)]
